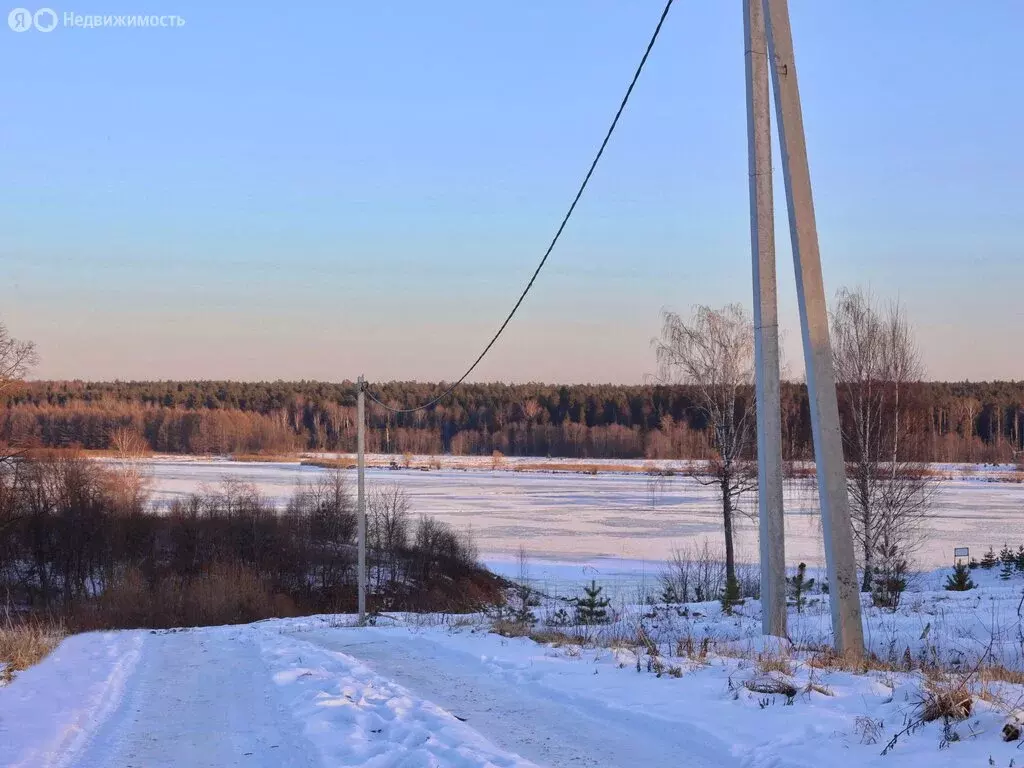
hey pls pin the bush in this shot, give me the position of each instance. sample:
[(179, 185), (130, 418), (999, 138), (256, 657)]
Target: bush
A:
[(698, 574), (1009, 567), (730, 597), (1006, 556), (798, 585), (960, 579), (26, 642), (669, 595), (890, 582), (559, 619), (988, 562), (70, 546), (591, 607), (221, 595)]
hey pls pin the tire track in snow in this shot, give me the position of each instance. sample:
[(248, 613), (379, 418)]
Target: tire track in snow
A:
[(551, 728), (199, 698), (357, 718), (59, 704)]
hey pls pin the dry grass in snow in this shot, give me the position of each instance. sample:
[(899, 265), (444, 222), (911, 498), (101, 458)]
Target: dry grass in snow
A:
[(25, 643)]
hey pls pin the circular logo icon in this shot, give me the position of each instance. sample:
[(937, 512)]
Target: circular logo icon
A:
[(20, 19), (45, 20)]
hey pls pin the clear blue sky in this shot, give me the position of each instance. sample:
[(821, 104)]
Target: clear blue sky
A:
[(319, 190)]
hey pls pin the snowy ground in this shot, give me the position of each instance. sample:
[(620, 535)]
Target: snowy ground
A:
[(443, 691), (618, 522)]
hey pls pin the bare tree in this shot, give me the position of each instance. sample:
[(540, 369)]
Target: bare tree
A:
[(130, 477), (967, 410), (713, 351), (326, 512), (388, 531), (876, 360), (16, 359)]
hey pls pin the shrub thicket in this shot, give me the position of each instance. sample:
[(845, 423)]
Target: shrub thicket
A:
[(71, 544)]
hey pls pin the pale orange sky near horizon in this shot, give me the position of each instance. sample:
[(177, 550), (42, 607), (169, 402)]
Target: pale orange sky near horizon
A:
[(528, 352)]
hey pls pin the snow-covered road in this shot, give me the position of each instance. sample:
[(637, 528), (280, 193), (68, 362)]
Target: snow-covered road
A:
[(199, 698), (223, 696), (436, 692), (523, 715), (298, 694)]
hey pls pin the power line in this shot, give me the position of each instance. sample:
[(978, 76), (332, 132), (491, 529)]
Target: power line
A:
[(554, 240)]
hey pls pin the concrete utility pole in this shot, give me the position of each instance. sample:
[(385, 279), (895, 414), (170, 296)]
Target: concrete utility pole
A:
[(361, 495), (844, 594), (766, 326)]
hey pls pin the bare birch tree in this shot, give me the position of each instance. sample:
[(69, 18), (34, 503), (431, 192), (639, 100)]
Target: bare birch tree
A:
[(713, 351), (876, 360), (16, 359), (130, 478), (388, 530)]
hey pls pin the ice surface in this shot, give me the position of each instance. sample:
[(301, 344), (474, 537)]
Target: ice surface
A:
[(576, 519)]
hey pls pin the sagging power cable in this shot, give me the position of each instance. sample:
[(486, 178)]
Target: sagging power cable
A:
[(558, 233)]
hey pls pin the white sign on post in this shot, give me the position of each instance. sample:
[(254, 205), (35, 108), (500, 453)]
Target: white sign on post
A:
[(961, 552)]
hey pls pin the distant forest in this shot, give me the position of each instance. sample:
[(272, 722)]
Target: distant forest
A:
[(951, 421)]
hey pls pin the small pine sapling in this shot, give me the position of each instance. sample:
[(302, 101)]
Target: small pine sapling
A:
[(988, 562), (1006, 555), (798, 585), (521, 605), (890, 581), (591, 608), (559, 618), (1019, 562), (1008, 569), (523, 595), (730, 597), (973, 564), (960, 579), (669, 596)]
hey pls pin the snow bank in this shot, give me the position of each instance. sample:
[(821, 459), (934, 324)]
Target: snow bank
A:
[(597, 703), (49, 712), (357, 718)]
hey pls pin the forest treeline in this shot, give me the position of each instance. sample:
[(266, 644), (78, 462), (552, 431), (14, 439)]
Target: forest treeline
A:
[(950, 421)]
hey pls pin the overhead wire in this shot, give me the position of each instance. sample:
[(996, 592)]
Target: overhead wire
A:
[(554, 240)]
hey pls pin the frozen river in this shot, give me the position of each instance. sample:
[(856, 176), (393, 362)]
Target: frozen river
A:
[(578, 517)]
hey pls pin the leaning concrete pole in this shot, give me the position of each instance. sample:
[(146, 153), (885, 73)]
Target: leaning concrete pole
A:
[(821, 383), (361, 495), (766, 326)]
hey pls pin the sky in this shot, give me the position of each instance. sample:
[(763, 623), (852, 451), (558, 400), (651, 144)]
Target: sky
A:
[(304, 190)]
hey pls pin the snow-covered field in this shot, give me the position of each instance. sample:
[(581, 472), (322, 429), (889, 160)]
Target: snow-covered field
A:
[(616, 522), (444, 691), (662, 685)]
